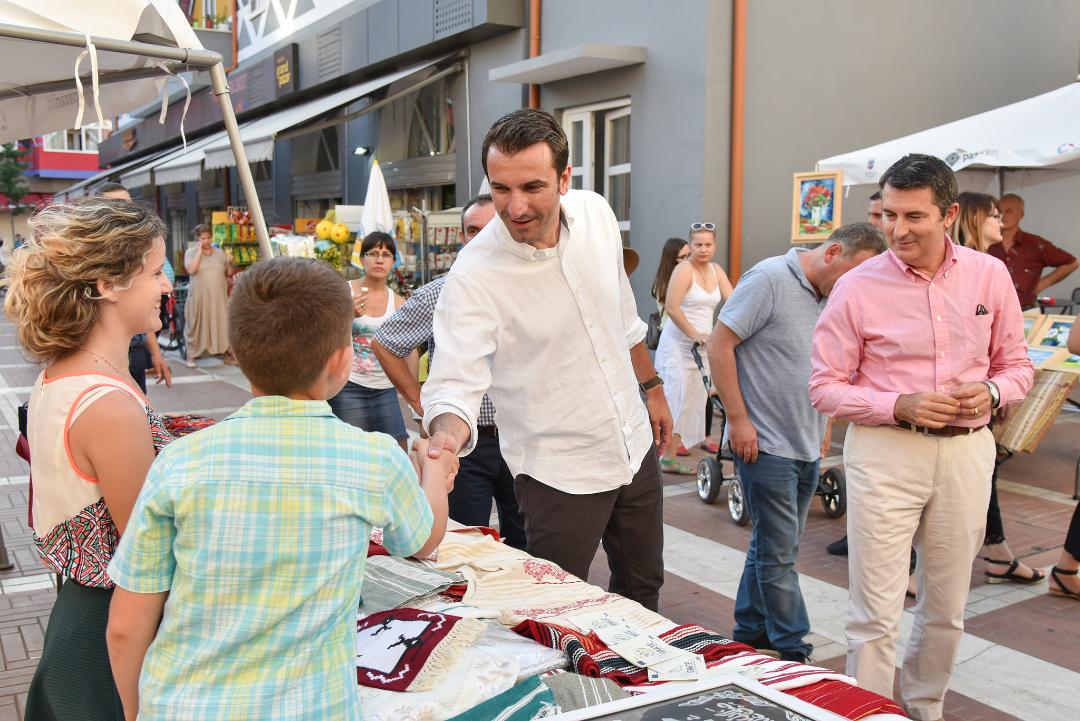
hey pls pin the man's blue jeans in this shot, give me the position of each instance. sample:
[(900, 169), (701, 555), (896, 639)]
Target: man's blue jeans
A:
[(778, 492)]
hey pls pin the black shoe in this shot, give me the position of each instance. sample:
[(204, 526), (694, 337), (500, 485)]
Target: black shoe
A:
[(761, 643), (838, 548), (795, 657)]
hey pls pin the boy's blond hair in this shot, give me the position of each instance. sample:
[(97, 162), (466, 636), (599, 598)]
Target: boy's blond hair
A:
[(287, 316)]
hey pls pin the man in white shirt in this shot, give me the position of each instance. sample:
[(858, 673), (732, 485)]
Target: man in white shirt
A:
[(538, 312)]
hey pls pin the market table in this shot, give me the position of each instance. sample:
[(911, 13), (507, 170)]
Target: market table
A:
[(484, 588)]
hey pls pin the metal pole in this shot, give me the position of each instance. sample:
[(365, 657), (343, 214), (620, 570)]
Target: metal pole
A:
[(193, 56), (247, 181), (119, 76)]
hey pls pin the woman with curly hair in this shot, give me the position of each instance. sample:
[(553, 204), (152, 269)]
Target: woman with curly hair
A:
[(89, 280)]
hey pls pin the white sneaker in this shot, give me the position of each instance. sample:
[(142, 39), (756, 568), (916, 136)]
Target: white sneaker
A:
[(190, 363)]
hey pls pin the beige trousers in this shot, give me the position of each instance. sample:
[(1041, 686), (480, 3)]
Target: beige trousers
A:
[(904, 490)]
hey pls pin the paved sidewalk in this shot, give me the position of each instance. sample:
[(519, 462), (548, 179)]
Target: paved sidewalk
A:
[(1020, 658)]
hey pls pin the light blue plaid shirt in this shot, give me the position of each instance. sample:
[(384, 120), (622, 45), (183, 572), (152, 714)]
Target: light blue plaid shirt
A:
[(258, 528)]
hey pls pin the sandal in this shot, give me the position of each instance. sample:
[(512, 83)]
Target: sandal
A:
[(668, 465), (711, 447), (1060, 589), (682, 450), (1010, 576)]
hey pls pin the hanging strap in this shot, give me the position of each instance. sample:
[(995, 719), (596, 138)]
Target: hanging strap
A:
[(91, 50), (165, 100)]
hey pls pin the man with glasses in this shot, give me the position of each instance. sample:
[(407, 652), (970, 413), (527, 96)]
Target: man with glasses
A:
[(915, 349), (483, 475), (759, 353), (1027, 255)]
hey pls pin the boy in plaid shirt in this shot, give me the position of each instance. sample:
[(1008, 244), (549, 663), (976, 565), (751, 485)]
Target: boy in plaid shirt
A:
[(238, 578)]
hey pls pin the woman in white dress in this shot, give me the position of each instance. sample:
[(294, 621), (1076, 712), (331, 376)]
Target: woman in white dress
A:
[(696, 288)]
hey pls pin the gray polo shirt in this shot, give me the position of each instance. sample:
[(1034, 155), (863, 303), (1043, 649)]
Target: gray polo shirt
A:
[(773, 310)]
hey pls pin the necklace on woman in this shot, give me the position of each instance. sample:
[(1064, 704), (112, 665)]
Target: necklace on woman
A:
[(98, 355)]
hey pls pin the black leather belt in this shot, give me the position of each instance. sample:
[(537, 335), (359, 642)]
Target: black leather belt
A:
[(492, 431), (946, 432)]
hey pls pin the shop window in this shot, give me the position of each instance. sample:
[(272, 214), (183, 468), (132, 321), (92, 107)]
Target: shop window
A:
[(599, 139), (317, 152), (420, 124), (84, 140)]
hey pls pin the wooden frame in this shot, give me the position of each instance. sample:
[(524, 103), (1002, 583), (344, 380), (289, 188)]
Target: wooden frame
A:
[(814, 221), (1052, 332), (1033, 323)]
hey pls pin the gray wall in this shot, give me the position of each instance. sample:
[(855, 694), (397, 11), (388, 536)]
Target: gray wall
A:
[(679, 96), (829, 76)]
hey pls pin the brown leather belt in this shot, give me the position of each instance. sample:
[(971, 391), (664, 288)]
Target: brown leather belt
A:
[(946, 432)]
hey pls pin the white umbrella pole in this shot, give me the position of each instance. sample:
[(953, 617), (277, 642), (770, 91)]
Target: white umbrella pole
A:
[(247, 181)]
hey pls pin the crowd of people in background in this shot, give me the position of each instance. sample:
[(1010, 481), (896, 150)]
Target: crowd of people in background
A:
[(543, 385)]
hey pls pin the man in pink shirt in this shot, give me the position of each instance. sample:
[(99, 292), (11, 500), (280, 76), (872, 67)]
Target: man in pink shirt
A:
[(916, 348)]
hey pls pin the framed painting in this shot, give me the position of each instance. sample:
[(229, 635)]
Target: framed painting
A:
[(1054, 332), (816, 201), (720, 698), (1040, 356), (1063, 360), (1033, 323)]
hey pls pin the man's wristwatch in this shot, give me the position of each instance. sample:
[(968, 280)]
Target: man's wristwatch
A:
[(995, 394), (648, 385)]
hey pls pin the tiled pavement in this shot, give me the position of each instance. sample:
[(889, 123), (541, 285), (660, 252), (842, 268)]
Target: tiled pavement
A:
[(1020, 659)]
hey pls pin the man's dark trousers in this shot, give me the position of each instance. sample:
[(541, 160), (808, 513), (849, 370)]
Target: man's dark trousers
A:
[(566, 528), (483, 475)]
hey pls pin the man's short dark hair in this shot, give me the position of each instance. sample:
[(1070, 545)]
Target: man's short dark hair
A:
[(110, 187), (520, 129), (287, 316), (475, 200), (875, 196), (857, 237), (923, 171)]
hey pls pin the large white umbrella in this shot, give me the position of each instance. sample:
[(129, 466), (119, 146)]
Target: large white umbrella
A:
[(377, 214), (119, 53), (1040, 132)]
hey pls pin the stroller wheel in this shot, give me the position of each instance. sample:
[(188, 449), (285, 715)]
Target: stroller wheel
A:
[(736, 502), (709, 480), (832, 487)]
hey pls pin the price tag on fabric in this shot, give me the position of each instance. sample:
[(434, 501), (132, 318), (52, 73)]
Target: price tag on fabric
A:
[(615, 635), (646, 651), (689, 667)]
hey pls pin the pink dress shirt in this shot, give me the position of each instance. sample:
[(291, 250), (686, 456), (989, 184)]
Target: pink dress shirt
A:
[(889, 330)]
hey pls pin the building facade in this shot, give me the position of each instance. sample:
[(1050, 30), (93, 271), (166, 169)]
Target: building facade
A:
[(644, 90)]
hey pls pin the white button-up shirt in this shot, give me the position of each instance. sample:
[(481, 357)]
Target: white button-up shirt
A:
[(547, 333)]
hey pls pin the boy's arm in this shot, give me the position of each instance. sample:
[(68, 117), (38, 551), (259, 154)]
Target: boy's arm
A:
[(133, 623), (436, 480)]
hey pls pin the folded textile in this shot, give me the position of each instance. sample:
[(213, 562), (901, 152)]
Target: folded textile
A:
[(391, 582), (846, 700), (589, 656), (573, 691), (521, 587), (376, 547), (471, 681), (781, 675), (528, 700), (532, 658), (409, 650)]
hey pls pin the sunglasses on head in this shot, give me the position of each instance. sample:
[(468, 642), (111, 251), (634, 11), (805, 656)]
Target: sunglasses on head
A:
[(695, 227)]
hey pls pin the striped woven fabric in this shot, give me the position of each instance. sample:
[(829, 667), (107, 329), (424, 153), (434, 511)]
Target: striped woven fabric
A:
[(846, 700), (589, 656)]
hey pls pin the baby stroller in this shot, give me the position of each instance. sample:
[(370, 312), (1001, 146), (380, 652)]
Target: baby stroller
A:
[(172, 320), (832, 488)]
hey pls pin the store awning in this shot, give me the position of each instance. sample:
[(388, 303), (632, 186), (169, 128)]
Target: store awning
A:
[(83, 186), (179, 165), (258, 136), (569, 63)]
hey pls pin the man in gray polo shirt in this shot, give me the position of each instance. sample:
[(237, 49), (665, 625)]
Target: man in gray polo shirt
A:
[(759, 353)]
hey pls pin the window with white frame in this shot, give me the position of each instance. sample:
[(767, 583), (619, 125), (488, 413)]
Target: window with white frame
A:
[(599, 138), (84, 140)]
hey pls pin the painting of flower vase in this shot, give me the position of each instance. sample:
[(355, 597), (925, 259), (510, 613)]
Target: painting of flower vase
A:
[(816, 206)]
